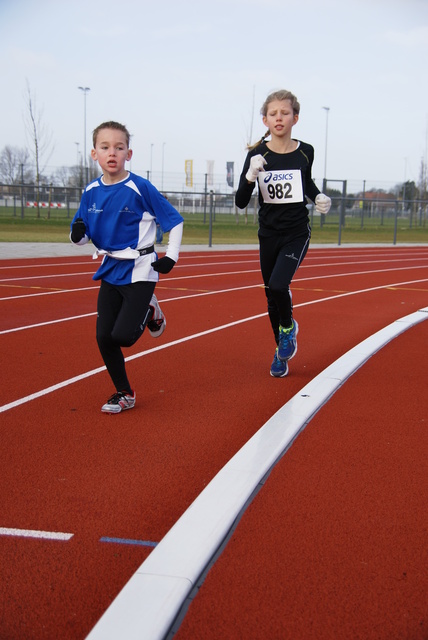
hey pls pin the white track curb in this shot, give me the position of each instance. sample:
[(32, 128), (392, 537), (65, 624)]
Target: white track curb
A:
[(147, 606)]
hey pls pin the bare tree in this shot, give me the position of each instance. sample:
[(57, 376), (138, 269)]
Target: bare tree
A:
[(40, 137), (68, 176), (12, 165), (423, 180)]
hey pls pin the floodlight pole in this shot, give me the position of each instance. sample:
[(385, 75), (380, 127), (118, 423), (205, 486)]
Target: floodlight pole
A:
[(324, 185), (22, 190), (151, 161), (77, 152), (85, 91), (163, 155)]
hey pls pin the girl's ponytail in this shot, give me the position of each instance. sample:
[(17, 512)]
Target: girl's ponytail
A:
[(250, 147)]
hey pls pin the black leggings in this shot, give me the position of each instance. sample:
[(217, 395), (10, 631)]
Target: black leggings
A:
[(123, 312), (280, 257)]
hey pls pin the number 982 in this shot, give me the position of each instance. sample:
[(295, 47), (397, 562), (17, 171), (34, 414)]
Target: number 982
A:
[(279, 191)]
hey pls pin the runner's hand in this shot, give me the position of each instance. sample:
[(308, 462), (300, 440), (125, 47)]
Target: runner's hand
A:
[(322, 203), (78, 230), (256, 165), (163, 265)]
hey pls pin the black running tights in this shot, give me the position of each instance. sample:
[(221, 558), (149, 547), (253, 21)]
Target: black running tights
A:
[(123, 312), (280, 257)]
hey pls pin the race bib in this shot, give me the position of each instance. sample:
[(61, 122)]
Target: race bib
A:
[(281, 187)]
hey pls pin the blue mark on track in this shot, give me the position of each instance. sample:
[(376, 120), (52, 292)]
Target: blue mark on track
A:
[(141, 543)]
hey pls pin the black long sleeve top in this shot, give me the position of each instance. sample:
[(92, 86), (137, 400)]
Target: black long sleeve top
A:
[(284, 186)]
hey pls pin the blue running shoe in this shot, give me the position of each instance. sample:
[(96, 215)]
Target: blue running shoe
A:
[(279, 368), (287, 346)]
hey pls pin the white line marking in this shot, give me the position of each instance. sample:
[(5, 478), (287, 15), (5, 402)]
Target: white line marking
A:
[(65, 383), (94, 313), (45, 265), (53, 275), (333, 275), (200, 295), (48, 293), (29, 533), (225, 274), (314, 253), (148, 604), (48, 322), (214, 264), (88, 374)]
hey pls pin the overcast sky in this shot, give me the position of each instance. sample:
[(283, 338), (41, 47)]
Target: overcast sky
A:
[(188, 78)]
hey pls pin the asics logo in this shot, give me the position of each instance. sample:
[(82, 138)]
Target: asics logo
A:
[(277, 176)]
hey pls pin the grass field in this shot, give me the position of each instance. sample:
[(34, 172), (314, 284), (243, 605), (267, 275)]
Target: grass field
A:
[(225, 229)]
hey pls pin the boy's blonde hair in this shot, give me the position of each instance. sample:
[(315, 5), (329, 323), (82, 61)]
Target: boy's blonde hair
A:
[(282, 94), (111, 124)]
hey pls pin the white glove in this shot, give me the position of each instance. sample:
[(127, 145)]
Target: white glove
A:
[(322, 203), (256, 165)]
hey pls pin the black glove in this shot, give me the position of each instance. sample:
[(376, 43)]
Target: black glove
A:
[(78, 230), (163, 265)]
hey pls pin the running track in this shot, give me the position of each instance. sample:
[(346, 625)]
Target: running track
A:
[(335, 542)]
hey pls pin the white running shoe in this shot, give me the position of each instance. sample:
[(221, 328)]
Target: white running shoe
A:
[(119, 401), (157, 324)]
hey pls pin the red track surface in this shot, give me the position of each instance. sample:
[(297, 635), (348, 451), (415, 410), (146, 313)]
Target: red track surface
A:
[(335, 544)]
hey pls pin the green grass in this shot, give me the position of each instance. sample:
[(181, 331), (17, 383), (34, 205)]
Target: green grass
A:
[(225, 229)]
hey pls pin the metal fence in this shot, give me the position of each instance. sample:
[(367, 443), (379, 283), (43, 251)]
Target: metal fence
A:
[(357, 212)]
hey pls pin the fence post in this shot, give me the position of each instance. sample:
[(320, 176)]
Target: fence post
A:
[(22, 190), (210, 233), (342, 211), (395, 223), (205, 198)]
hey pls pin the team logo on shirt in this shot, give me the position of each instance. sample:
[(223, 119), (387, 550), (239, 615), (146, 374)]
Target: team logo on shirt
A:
[(93, 209)]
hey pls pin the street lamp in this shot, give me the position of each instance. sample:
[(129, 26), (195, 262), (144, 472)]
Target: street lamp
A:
[(151, 161), (22, 190), (77, 157), (163, 153), (79, 166), (324, 186), (85, 91)]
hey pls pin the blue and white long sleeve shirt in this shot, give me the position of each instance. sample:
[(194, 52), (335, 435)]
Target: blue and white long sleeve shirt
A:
[(122, 217)]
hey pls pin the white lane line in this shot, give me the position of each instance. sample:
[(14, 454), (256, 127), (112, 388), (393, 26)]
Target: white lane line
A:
[(210, 293), (224, 263), (87, 374), (53, 275), (149, 603), (305, 265), (229, 273), (48, 323), (30, 533), (223, 274), (46, 265), (48, 293), (94, 313), (315, 252), (176, 278)]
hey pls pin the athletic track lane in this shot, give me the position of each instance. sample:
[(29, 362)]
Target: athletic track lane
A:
[(89, 494)]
